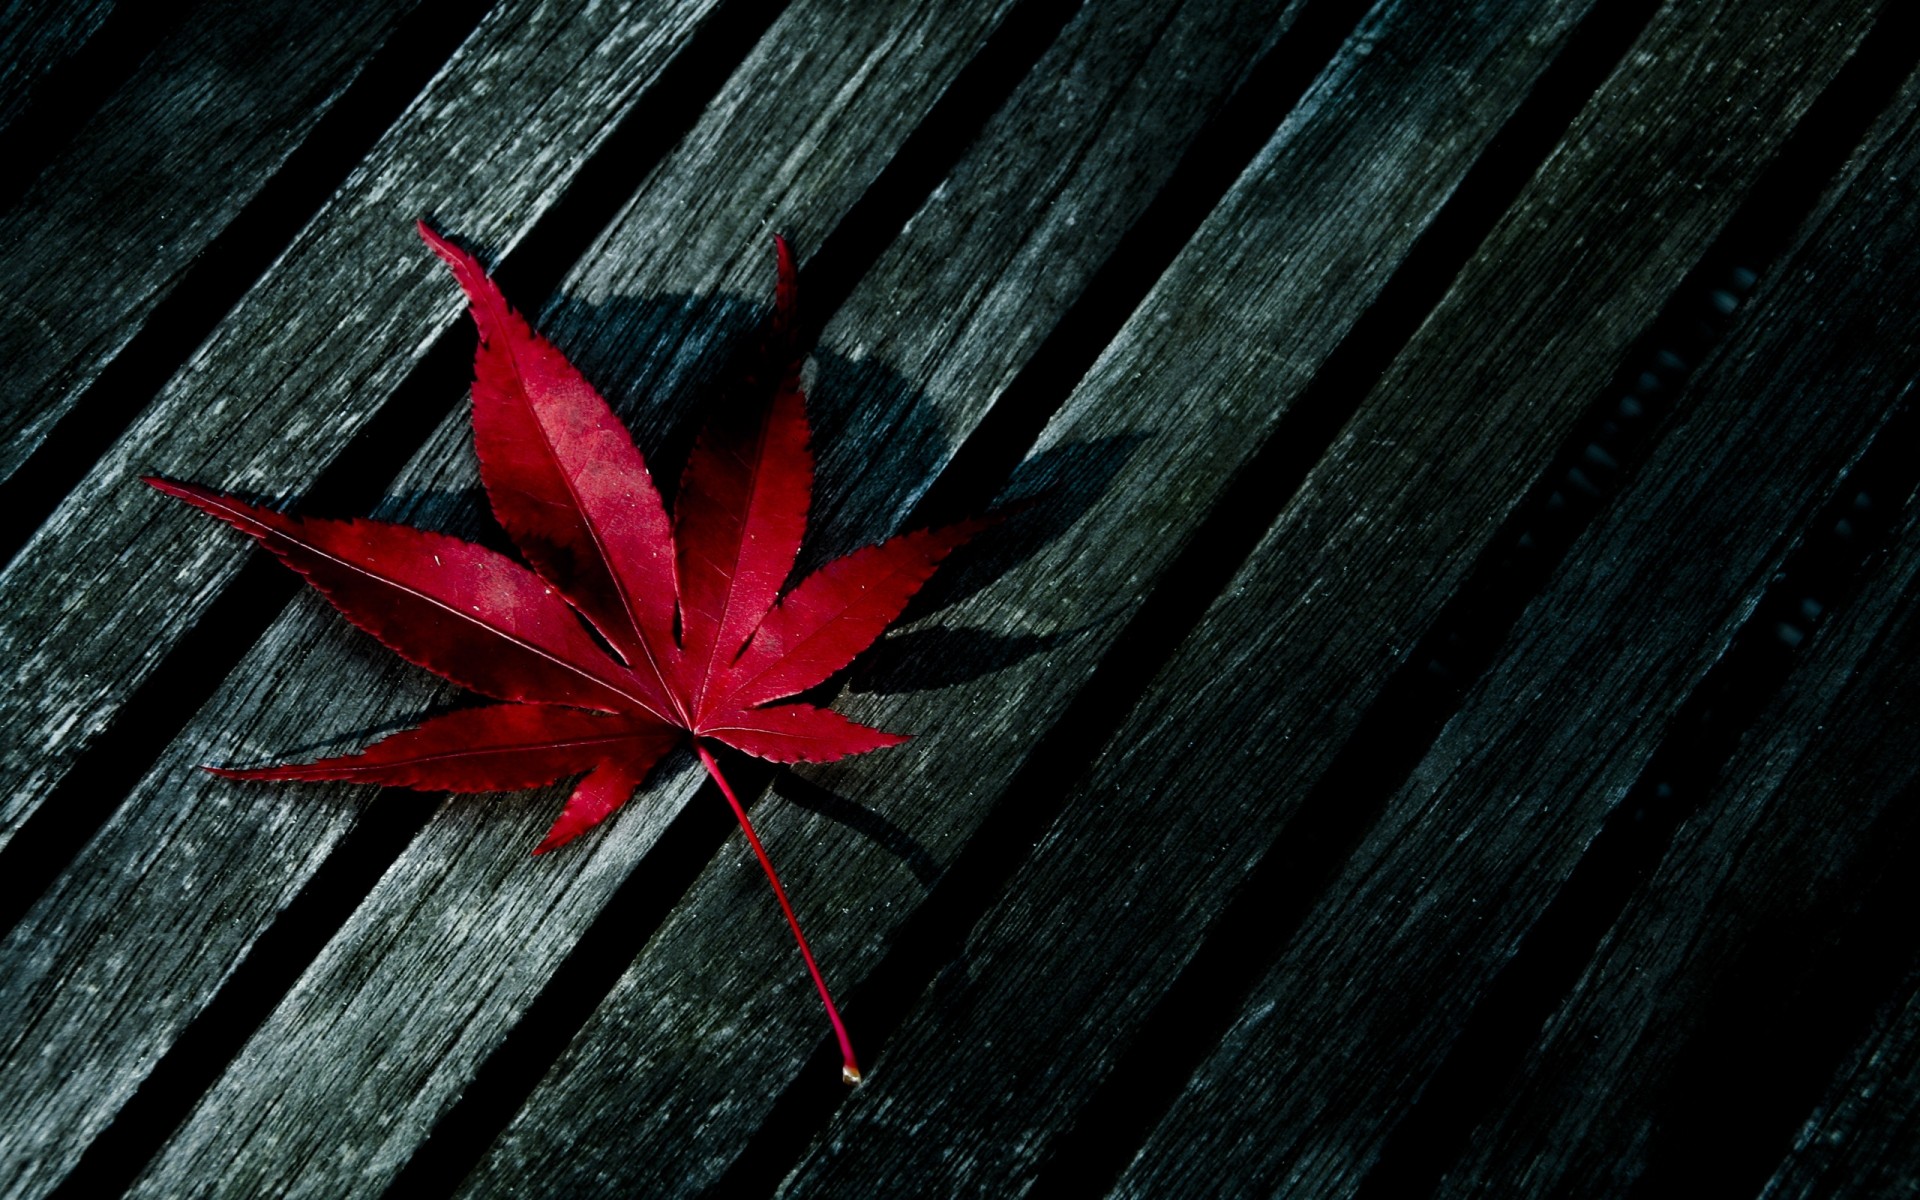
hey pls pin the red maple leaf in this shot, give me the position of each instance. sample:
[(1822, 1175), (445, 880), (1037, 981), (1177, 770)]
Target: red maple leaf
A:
[(702, 641)]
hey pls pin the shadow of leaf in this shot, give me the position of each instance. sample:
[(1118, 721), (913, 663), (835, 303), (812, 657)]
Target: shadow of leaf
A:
[(1047, 496), (924, 659), (862, 820)]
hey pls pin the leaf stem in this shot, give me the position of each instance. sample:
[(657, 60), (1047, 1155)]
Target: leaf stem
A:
[(849, 1069)]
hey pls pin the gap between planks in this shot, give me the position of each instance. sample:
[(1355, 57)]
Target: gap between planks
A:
[(955, 1047)]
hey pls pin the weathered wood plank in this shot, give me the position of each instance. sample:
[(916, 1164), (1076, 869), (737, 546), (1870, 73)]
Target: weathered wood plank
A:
[(116, 220), (1860, 1141), (1010, 240), (1792, 834), (1345, 1029), (311, 351), (102, 591), (995, 1063), (1176, 406), (655, 302), (1786, 836), (36, 36)]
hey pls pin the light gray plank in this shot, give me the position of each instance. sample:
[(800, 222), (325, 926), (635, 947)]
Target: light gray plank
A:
[(118, 957), (998, 1056), (115, 576), (1344, 1030), (1188, 390), (116, 220), (1005, 245)]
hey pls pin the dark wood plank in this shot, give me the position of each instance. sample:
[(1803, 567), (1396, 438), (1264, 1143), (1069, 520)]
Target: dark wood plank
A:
[(303, 360), (115, 577), (1177, 404), (36, 37), (1789, 838), (1011, 240), (1794, 838), (998, 1056), (1860, 1140), (1343, 1032), (166, 163)]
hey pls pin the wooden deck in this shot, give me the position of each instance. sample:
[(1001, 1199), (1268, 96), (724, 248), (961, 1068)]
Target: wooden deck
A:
[(1441, 720)]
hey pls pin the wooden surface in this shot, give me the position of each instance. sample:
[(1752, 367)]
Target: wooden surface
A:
[(1438, 720)]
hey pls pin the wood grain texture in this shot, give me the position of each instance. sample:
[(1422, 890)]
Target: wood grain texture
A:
[(1027, 214), (1343, 1031), (112, 963), (1860, 1140), (1785, 847), (36, 37), (116, 575), (117, 219), (1148, 440), (996, 1059), (1789, 833), (463, 932)]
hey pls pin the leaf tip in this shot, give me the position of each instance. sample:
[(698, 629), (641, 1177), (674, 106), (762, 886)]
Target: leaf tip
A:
[(563, 831), (465, 266)]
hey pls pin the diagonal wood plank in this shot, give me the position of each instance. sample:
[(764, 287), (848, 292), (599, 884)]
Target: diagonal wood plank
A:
[(36, 37), (115, 222), (1009, 240), (94, 601), (1791, 840), (1191, 387), (661, 310), (1344, 1030), (92, 1043), (997, 1058), (1860, 1140), (1788, 836)]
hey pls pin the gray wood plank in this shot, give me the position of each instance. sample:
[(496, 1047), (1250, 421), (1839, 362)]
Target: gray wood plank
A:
[(658, 298), (996, 1059), (1783, 835), (102, 591), (1344, 1030), (355, 1060), (116, 220), (1860, 1141), (359, 298), (36, 36), (1787, 835), (1286, 264)]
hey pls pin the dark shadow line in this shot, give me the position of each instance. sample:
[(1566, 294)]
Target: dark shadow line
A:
[(928, 155), (232, 262), (1783, 1022), (862, 820), (1218, 154), (215, 1036), (159, 709), (70, 92), (585, 977)]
